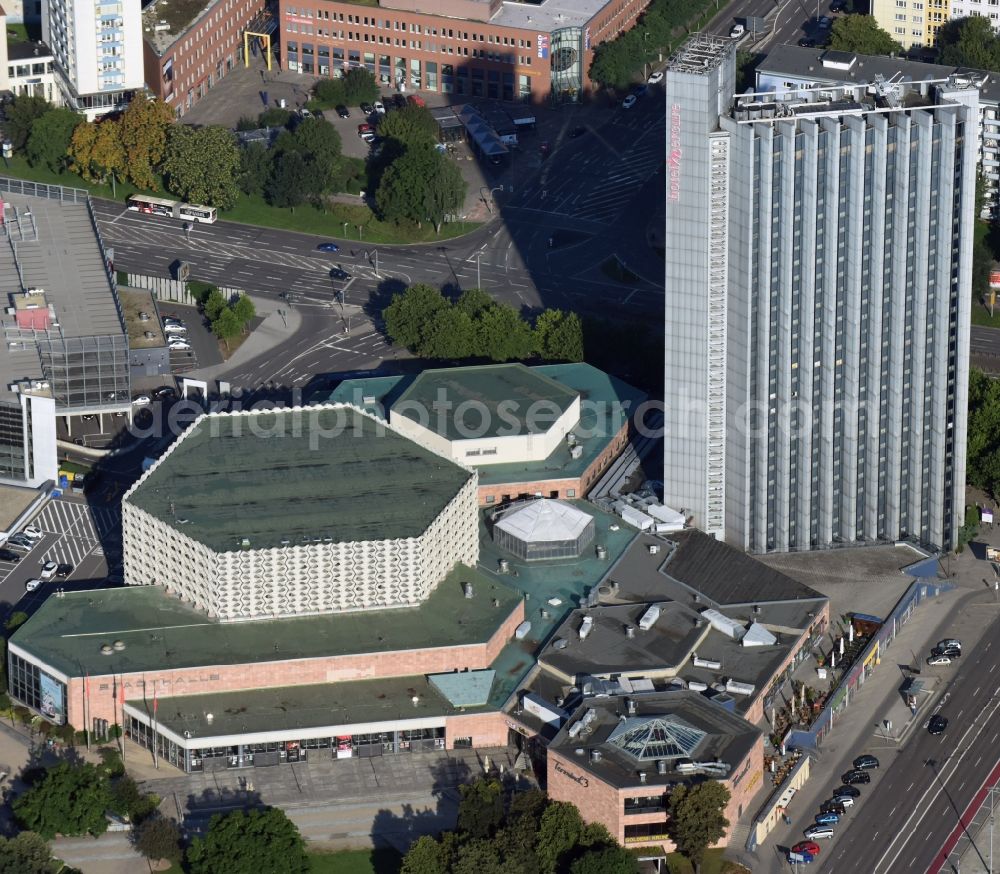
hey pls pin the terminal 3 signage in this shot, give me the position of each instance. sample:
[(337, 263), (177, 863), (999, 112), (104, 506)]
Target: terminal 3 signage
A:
[(576, 778)]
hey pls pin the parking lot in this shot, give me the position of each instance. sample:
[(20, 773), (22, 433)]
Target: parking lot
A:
[(75, 532)]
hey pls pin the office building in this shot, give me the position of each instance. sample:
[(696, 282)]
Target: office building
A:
[(188, 48), (817, 325), (65, 353), (97, 45), (478, 48), (787, 68)]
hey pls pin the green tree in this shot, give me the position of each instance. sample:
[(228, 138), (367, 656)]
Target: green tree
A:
[(50, 137), (605, 860), (16, 620), (862, 34), (26, 853), (450, 335), (290, 182), (159, 838), (969, 42), (559, 336), (559, 832), (330, 92), (244, 311), (213, 304), (502, 335), (478, 856), (425, 856), (360, 87), (202, 165), (411, 314), (274, 116), (697, 818), (444, 193), (422, 184), (983, 445), (474, 301), (614, 64), (319, 144), (249, 842), (143, 127), (20, 116), (480, 810), (255, 169), (69, 799), (411, 125), (227, 326)]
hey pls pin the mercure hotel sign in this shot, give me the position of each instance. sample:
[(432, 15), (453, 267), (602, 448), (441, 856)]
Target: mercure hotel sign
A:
[(674, 153)]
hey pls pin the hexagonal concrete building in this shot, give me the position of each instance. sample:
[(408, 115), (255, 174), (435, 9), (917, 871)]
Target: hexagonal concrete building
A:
[(299, 511)]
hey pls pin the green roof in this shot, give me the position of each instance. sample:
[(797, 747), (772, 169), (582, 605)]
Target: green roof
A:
[(291, 707), (162, 633), (291, 476), (603, 398), (481, 390)]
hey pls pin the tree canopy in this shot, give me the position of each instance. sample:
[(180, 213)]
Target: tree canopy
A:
[(862, 34), (421, 184), (697, 819), (529, 834), (360, 87), (202, 165), (96, 151), (411, 125), (69, 800), (26, 853), (143, 128), (159, 838), (983, 456), (20, 116), (50, 137), (969, 42), (249, 842)]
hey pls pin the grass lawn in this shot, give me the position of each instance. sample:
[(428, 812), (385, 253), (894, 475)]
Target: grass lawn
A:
[(713, 863), (254, 211), (383, 861)]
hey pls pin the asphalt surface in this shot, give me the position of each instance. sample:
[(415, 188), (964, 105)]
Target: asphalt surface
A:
[(788, 22), (914, 802), (549, 245)]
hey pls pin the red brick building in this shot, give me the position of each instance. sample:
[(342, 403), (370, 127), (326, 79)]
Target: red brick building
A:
[(188, 48), (474, 48)]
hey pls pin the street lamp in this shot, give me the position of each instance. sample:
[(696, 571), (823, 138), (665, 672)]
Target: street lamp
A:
[(359, 231), (345, 229), (479, 281)]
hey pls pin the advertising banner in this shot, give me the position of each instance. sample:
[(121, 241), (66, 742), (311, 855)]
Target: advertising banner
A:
[(543, 46), (53, 704)]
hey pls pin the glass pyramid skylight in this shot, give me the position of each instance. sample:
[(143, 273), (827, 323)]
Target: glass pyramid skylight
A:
[(656, 737)]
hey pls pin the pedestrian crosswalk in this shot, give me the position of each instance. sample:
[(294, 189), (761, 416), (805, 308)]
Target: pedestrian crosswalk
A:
[(82, 527)]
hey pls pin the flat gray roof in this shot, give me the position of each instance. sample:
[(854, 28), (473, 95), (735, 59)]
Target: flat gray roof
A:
[(57, 247), (162, 633), (297, 475), (806, 63), (548, 15), (727, 737)]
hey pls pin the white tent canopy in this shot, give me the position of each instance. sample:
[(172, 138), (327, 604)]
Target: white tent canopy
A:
[(544, 521), (758, 635)]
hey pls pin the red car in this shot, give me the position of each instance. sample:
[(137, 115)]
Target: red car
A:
[(810, 847)]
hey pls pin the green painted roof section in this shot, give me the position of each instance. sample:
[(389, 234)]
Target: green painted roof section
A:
[(605, 404), (160, 632), (305, 707), (297, 475), (465, 689), (532, 401)]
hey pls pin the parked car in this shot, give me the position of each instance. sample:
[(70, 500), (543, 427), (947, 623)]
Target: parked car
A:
[(143, 400), (164, 391), (838, 6), (810, 847), (939, 660), (399, 101), (64, 570), (343, 111), (33, 533), (816, 832), (953, 652), (629, 101), (172, 320), (937, 724), (31, 585), (655, 78), (855, 776), (866, 762), (19, 541), (736, 31), (179, 345), (339, 273), (328, 247), (834, 806), (842, 792), (174, 329), (827, 818), (305, 113), (379, 107), (807, 42), (9, 555), (824, 22), (367, 108), (801, 858), (366, 132), (48, 571), (950, 643)]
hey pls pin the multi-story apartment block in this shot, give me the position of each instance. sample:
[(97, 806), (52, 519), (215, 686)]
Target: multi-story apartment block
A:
[(187, 49), (97, 45), (913, 23), (817, 326), (479, 48)]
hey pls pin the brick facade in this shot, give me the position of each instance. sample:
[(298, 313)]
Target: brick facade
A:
[(453, 51), (292, 672)]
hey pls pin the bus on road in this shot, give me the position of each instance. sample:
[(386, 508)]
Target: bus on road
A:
[(190, 212)]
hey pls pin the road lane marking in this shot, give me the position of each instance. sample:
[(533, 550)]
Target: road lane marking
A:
[(908, 788)]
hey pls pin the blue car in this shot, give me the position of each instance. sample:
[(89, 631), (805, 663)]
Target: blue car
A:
[(827, 818), (328, 247), (800, 858)]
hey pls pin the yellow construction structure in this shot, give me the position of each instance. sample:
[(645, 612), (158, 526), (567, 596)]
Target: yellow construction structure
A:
[(266, 37)]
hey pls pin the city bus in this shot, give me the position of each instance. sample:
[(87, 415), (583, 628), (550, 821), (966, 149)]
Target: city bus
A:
[(172, 208)]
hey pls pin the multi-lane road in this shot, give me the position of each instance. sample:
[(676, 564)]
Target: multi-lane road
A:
[(916, 799)]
